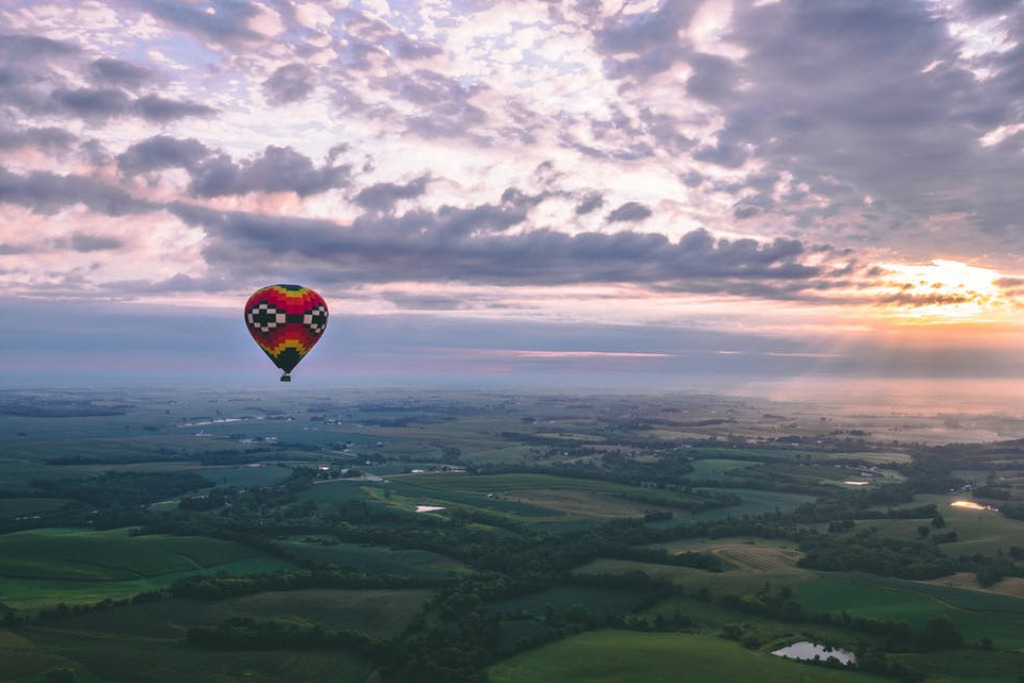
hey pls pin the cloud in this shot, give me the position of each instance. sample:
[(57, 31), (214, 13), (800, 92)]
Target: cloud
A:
[(475, 246), (49, 139), (383, 196), (83, 242), (590, 202), (119, 73), (30, 48), (629, 212), (644, 43), (162, 152), (161, 110), (289, 83), (424, 302), (226, 24), (47, 193), (278, 169)]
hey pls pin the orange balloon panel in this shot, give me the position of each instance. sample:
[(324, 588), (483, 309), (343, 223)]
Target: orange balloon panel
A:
[(286, 321)]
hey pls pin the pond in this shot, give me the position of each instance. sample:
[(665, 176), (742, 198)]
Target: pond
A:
[(808, 650), (971, 505)]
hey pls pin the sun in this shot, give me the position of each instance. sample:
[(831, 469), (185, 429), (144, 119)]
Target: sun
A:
[(943, 291)]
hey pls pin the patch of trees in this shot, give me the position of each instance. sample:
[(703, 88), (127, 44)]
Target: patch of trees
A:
[(246, 633), (224, 587), (123, 488), (858, 504), (883, 556)]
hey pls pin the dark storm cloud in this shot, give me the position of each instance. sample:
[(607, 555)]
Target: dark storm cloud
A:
[(278, 169), (47, 193), (119, 73), (629, 212), (475, 245), (289, 83), (161, 152), (383, 196)]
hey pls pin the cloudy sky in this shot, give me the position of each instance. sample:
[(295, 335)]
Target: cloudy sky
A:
[(506, 188)]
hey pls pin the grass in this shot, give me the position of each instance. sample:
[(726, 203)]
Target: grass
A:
[(534, 496), (752, 555), (755, 503), (717, 468), (43, 567), (626, 657), (75, 554), (97, 657), (975, 615), (376, 560), (736, 582), (978, 531), (966, 666)]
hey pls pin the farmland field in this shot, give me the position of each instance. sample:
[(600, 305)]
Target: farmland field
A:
[(374, 559), (42, 567), (625, 657), (975, 615), (541, 497)]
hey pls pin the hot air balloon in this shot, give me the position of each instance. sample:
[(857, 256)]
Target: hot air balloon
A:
[(286, 321)]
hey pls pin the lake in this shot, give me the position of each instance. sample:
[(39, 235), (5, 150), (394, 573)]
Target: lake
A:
[(808, 650)]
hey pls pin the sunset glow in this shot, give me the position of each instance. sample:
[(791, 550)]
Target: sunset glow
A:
[(658, 187)]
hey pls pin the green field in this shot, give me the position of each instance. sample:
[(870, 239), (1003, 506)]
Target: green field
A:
[(542, 497), (974, 614), (43, 567), (565, 597), (628, 657), (720, 469), (735, 582), (375, 559), (97, 657)]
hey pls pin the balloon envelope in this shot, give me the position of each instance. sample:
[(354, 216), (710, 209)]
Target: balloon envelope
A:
[(286, 321)]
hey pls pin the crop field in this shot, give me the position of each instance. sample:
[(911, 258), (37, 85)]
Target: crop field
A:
[(438, 489), (1011, 586), (754, 503), (711, 618), (978, 531), (715, 469), (98, 656), (43, 567), (752, 556), (721, 583), (375, 559), (963, 666), (626, 657), (975, 615)]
